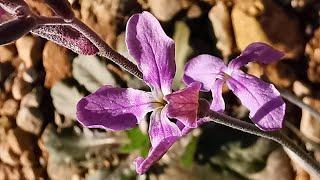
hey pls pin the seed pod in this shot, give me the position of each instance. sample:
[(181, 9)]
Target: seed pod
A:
[(14, 29), (62, 8), (15, 7)]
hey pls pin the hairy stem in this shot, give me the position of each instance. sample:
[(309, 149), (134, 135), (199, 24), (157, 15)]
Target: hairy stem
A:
[(311, 165), (104, 49)]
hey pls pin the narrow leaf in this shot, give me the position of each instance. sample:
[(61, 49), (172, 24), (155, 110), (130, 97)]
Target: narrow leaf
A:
[(67, 37), (14, 29)]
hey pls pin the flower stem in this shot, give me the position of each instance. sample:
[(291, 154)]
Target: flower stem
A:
[(311, 165), (104, 49)]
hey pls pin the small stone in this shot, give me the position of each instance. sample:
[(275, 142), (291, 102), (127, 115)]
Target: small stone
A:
[(309, 125), (30, 75), (255, 69), (9, 108), (32, 99), (280, 74), (5, 123), (313, 52), (8, 83), (12, 173), (165, 10), (33, 172), (221, 21), (30, 120), (301, 89), (29, 50), (100, 16), (194, 12), (265, 21), (57, 63), (7, 155), (20, 88), (7, 52), (28, 159), (20, 141)]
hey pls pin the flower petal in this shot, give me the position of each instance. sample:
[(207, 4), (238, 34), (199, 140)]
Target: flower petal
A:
[(153, 50), (163, 133), (183, 105), (114, 108), (204, 69), (217, 104), (259, 52), (266, 106)]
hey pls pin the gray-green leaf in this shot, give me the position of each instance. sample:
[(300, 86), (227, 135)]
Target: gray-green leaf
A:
[(91, 73)]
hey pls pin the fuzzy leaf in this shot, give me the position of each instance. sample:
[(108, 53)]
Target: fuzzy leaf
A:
[(92, 73), (65, 99)]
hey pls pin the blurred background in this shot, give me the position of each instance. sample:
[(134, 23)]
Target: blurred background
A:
[(41, 82)]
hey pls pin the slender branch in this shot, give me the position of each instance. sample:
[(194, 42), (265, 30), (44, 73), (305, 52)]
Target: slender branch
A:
[(104, 49), (298, 102), (311, 165)]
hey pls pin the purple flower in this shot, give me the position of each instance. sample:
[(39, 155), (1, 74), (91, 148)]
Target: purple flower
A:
[(266, 107), (122, 108)]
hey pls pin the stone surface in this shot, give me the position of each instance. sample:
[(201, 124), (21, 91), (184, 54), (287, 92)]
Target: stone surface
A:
[(20, 141), (32, 99), (300, 88), (7, 52), (309, 125), (280, 74), (100, 15), (313, 53), (29, 50), (9, 108), (57, 63), (265, 21), (30, 120), (221, 21), (20, 88), (165, 10), (7, 155), (28, 159)]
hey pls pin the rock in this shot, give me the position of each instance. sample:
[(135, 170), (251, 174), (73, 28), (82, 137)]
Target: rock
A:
[(11, 172), (313, 52), (194, 12), (301, 89), (59, 170), (32, 99), (29, 50), (30, 120), (20, 88), (7, 155), (165, 10), (30, 75), (5, 123), (280, 74), (57, 63), (20, 141), (9, 108), (265, 21), (278, 167), (5, 70), (7, 52), (39, 7), (33, 172), (100, 15), (221, 21), (255, 69), (28, 159), (309, 125)]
